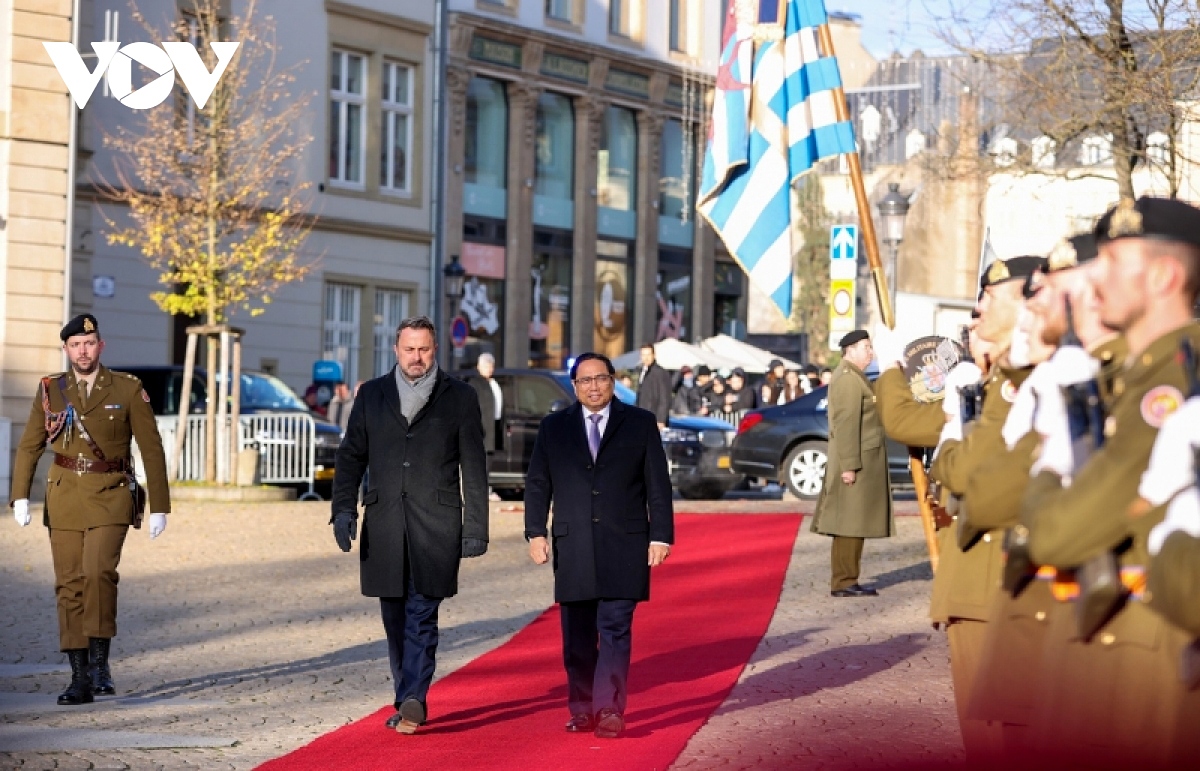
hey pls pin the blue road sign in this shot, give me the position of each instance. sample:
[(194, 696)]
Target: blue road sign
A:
[(458, 332), (843, 251)]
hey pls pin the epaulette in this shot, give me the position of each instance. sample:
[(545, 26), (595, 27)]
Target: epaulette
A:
[(124, 374), (57, 375)]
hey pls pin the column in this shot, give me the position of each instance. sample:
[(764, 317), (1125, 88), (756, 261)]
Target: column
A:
[(522, 128), (645, 264), (458, 78), (704, 257), (589, 117)]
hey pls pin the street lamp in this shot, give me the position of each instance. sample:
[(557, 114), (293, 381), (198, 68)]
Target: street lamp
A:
[(893, 208), (454, 274)]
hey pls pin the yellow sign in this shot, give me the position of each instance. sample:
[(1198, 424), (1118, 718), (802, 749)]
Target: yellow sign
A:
[(841, 309)]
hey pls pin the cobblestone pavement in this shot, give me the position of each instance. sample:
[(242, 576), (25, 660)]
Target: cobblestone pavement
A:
[(243, 635)]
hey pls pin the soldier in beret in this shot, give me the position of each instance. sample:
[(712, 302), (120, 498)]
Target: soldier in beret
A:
[(856, 498), (1114, 697), (87, 416)]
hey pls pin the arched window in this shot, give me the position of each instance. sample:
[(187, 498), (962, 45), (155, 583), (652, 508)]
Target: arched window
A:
[(1095, 150)]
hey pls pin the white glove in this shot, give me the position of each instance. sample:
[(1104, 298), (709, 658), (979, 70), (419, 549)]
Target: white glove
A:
[(1170, 468), (889, 351), (1183, 514), (965, 373), (21, 511), (157, 524), (1070, 365)]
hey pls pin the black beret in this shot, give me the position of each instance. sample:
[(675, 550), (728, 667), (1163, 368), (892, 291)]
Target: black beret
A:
[(703, 370), (1012, 269), (1166, 219), (83, 324), (1072, 252), (850, 338), (775, 363)]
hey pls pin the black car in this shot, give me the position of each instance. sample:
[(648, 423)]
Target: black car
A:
[(790, 443), (697, 448), (260, 393)]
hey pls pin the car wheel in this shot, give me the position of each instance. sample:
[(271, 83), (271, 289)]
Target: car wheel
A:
[(804, 469), (702, 493)]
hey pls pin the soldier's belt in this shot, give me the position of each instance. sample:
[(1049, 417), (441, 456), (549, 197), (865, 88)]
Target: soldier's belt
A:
[(82, 465)]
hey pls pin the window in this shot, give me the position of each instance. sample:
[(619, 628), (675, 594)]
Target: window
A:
[(391, 307), (343, 304), (560, 10), (673, 177), (679, 30), (554, 165), (1004, 151), (1158, 147), (1095, 150), (395, 174), (620, 18), (914, 143), (616, 162), (1042, 152), (612, 334), (486, 152), (347, 130)]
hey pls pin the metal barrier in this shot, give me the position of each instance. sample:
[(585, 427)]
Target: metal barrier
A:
[(286, 444), (733, 417)]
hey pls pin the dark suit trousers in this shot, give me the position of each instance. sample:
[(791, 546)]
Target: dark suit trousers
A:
[(597, 641), (412, 635)]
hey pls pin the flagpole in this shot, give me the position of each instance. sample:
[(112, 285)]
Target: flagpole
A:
[(866, 224)]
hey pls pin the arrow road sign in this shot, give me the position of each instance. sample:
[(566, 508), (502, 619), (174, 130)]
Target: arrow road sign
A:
[(843, 251)]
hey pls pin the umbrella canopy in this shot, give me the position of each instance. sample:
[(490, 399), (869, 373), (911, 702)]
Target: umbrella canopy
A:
[(749, 357), (674, 354)]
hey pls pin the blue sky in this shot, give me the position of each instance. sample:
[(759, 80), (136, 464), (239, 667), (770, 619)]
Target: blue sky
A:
[(902, 25)]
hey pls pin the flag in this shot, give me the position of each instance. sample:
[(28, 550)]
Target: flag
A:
[(773, 118), (987, 255)]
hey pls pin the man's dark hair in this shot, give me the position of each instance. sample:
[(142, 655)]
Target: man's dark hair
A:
[(811, 369), (590, 356), (826, 369), (417, 322), (647, 345)]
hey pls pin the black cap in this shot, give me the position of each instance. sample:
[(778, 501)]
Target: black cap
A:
[(703, 370), (850, 338), (1166, 219), (1072, 252), (775, 363), (738, 372), (1012, 269), (83, 324)]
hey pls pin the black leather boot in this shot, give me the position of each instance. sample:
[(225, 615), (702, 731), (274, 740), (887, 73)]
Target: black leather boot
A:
[(102, 684), (80, 689)]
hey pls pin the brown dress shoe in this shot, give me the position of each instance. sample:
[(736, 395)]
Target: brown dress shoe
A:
[(582, 723), (609, 724)]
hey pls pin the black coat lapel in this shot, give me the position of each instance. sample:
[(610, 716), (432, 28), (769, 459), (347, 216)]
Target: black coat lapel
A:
[(576, 428), (391, 395), (616, 414)]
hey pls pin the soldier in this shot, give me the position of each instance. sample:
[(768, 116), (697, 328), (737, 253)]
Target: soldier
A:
[(970, 566), (87, 416), (856, 499), (1114, 695)]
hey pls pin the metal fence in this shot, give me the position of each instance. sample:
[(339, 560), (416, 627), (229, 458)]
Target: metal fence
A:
[(733, 417), (286, 443)]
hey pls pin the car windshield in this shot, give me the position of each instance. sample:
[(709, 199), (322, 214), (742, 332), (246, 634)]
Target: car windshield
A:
[(266, 392)]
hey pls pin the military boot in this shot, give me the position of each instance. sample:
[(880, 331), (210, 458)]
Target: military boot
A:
[(80, 689), (102, 684)]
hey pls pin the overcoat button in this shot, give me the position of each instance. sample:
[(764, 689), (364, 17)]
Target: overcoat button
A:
[(595, 519), (406, 464), (595, 492)]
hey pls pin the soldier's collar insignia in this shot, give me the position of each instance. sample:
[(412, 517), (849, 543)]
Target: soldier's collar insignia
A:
[(1126, 220), (88, 326), (998, 272), (1063, 257)]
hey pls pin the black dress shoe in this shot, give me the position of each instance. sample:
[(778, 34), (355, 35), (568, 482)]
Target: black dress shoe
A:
[(854, 590), (609, 724), (412, 716), (581, 723), (102, 682), (394, 721)]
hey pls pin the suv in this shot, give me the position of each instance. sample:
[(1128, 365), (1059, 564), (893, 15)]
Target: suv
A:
[(260, 393), (697, 448)]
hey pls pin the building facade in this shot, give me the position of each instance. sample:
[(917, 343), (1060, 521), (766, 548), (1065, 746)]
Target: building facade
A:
[(576, 130)]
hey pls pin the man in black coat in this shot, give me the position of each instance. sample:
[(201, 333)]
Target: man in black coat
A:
[(415, 429), (654, 386), (602, 466)]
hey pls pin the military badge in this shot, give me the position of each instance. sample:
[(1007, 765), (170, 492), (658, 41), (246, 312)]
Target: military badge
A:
[(927, 361), (1126, 220), (88, 326), (998, 272), (1063, 257), (1008, 391), (1159, 403)]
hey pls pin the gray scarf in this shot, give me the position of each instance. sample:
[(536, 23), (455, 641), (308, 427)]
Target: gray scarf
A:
[(413, 396)]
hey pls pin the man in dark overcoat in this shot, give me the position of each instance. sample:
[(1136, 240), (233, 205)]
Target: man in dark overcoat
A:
[(418, 432), (601, 464), (653, 386)]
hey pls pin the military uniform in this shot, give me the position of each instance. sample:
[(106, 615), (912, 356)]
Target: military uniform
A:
[(861, 510), (904, 419), (89, 507), (1116, 699)]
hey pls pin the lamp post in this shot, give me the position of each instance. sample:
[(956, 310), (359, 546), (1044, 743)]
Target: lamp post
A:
[(452, 283), (893, 208)]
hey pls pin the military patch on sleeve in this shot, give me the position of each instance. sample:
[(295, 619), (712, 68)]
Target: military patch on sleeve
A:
[(1160, 402), (145, 396), (1008, 391)]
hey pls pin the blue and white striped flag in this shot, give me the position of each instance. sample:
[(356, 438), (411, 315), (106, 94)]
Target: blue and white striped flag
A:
[(773, 118)]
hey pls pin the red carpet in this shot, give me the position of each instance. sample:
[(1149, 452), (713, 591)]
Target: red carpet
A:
[(710, 605)]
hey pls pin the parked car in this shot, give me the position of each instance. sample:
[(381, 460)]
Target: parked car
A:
[(260, 393), (697, 448), (790, 443)]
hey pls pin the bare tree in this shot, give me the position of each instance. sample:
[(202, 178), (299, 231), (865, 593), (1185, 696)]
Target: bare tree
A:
[(214, 195), (810, 304), (1073, 72)]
